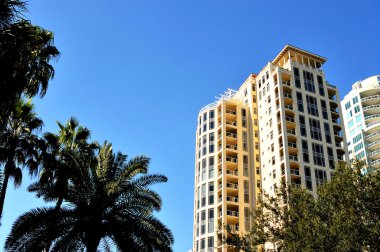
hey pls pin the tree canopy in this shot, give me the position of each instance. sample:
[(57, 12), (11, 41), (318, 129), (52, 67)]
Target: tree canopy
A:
[(344, 217)]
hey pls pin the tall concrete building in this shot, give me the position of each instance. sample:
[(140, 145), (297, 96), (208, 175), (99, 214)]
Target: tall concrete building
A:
[(282, 124), (361, 113)]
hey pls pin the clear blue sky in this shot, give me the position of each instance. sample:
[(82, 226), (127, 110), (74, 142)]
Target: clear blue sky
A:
[(137, 72)]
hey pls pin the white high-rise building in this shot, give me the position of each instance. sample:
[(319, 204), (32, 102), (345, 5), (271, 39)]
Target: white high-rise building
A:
[(361, 113), (283, 124)]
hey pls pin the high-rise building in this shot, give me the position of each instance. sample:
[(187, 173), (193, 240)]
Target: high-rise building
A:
[(283, 124), (361, 113)]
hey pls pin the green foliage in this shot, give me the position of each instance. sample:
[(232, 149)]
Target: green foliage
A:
[(26, 51), (344, 217), (18, 141), (107, 202)]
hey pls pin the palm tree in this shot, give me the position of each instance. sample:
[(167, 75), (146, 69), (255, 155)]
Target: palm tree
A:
[(56, 152), (17, 145), (110, 203), (25, 55)]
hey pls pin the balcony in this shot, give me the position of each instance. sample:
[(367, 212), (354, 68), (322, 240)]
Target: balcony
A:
[(373, 124), (375, 163), (294, 172), (231, 146), (334, 113), (231, 159), (231, 135), (371, 100), (232, 199), (232, 172), (232, 186), (288, 98), (292, 148), (375, 154), (373, 136), (338, 136), (232, 213), (290, 122), (371, 107), (231, 123), (293, 158), (371, 118), (374, 145), (230, 112)]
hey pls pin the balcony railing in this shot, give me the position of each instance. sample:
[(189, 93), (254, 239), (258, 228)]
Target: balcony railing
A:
[(291, 144), (288, 107), (292, 132), (232, 123), (287, 95), (374, 143), (231, 112), (232, 199), (229, 172), (373, 134), (231, 147), (373, 123), (232, 185), (375, 162), (370, 107), (289, 119), (231, 159), (372, 116), (370, 98), (373, 153), (233, 213), (233, 135), (293, 157), (295, 172)]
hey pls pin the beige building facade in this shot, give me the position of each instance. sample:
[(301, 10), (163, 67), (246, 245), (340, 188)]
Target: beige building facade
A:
[(284, 123)]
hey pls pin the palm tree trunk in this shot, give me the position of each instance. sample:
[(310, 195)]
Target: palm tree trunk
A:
[(3, 192), (49, 239)]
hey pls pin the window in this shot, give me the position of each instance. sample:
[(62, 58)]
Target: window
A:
[(245, 139), (203, 200), (349, 114), (357, 138), (197, 226), (258, 170), (347, 105), (258, 184), (358, 118), (320, 86), (360, 155), (273, 160), (305, 151), (203, 169), (211, 125), (211, 167), (357, 109), (309, 81), (309, 184), (302, 126), (358, 146), (211, 193), (300, 102), (315, 129), (320, 176), (203, 245), (355, 100), (246, 191), (330, 155), (297, 77), (350, 123), (247, 220), (324, 110), (312, 105), (245, 165), (203, 222), (210, 243), (318, 156), (327, 132), (267, 75)]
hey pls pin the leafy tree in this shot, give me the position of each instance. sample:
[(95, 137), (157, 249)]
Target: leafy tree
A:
[(17, 145), (109, 203), (344, 217), (26, 51)]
